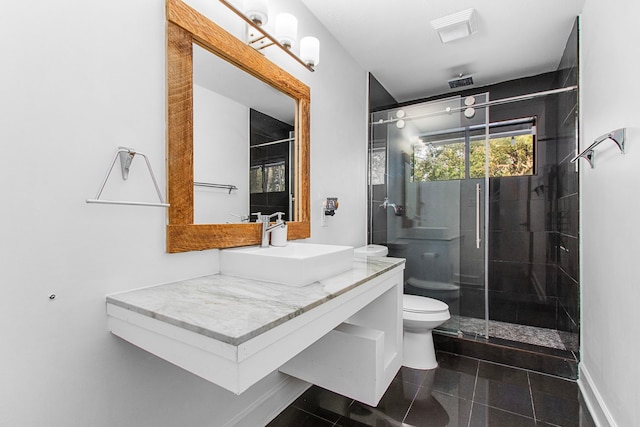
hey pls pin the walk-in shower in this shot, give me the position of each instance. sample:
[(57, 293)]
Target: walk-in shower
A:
[(475, 195)]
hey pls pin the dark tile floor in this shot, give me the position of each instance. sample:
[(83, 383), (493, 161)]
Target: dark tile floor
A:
[(462, 391)]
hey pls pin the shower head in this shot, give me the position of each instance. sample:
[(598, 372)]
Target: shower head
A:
[(461, 82)]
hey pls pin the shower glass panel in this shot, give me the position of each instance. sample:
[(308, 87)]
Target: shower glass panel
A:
[(428, 176)]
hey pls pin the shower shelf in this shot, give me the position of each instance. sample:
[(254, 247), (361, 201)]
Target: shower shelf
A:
[(617, 136), (126, 156)]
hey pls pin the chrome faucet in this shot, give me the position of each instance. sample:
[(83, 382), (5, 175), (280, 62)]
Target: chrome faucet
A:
[(396, 209), (266, 228)]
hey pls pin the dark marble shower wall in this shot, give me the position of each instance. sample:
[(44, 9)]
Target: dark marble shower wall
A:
[(567, 212), (264, 128), (379, 99)]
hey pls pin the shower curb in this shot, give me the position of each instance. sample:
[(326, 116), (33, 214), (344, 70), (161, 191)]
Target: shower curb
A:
[(561, 363)]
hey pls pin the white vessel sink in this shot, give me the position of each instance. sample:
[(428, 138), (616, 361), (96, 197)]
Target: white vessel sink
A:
[(297, 264)]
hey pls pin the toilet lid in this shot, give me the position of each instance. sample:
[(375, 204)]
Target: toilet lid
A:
[(429, 284), (418, 304)]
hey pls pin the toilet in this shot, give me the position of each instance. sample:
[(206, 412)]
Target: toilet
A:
[(420, 315)]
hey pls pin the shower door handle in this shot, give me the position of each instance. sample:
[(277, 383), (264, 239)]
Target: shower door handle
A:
[(478, 197)]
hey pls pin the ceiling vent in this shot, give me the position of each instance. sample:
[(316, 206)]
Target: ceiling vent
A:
[(456, 26), (461, 82)]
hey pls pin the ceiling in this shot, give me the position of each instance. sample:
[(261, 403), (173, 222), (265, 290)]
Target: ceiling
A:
[(394, 40)]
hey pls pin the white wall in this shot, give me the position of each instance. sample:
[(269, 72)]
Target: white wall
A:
[(610, 201), (79, 79), (220, 156)]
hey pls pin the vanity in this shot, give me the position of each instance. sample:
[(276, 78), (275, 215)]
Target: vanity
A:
[(343, 333)]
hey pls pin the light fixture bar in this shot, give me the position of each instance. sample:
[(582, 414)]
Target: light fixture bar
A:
[(266, 34)]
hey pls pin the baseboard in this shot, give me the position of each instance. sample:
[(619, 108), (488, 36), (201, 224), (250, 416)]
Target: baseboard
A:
[(267, 407), (598, 409)]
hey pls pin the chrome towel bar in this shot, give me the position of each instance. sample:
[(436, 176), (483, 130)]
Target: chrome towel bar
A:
[(210, 185), (126, 156), (617, 136)]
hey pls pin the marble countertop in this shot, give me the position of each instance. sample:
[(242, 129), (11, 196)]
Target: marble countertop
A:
[(234, 310)]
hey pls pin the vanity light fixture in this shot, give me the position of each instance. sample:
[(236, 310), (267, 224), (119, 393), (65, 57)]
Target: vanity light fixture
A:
[(257, 11), (310, 50), (256, 15), (456, 26), (286, 29)]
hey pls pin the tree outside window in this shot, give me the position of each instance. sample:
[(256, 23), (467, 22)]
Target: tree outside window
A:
[(511, 153), (508, 156)]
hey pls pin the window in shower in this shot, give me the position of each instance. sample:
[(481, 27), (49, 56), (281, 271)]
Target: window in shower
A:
[(256, 184), (443, 156), (267, 178)]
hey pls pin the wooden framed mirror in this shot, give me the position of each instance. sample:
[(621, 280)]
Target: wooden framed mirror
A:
[(185, 27)]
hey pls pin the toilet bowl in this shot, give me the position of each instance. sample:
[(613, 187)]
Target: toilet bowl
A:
[(420, 316)]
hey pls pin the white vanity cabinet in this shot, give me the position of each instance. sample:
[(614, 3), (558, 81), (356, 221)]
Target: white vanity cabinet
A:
[(343, 333), (360, 357)]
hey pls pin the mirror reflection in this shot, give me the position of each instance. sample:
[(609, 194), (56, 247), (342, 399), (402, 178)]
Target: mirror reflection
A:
[(243, 132)]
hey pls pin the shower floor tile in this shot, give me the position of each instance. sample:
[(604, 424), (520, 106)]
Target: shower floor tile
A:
[(543, 337)]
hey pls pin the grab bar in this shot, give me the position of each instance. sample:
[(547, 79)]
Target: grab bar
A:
[(126, 157), (210, 185), (617, 136)]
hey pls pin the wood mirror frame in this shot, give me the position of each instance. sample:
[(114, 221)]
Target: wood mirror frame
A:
[(186, 26)]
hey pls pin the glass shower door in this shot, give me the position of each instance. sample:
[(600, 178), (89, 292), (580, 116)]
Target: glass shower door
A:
[(428, 201)]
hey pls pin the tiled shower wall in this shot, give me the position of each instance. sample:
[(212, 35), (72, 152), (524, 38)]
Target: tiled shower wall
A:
[(379, 99), (567, 212)]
